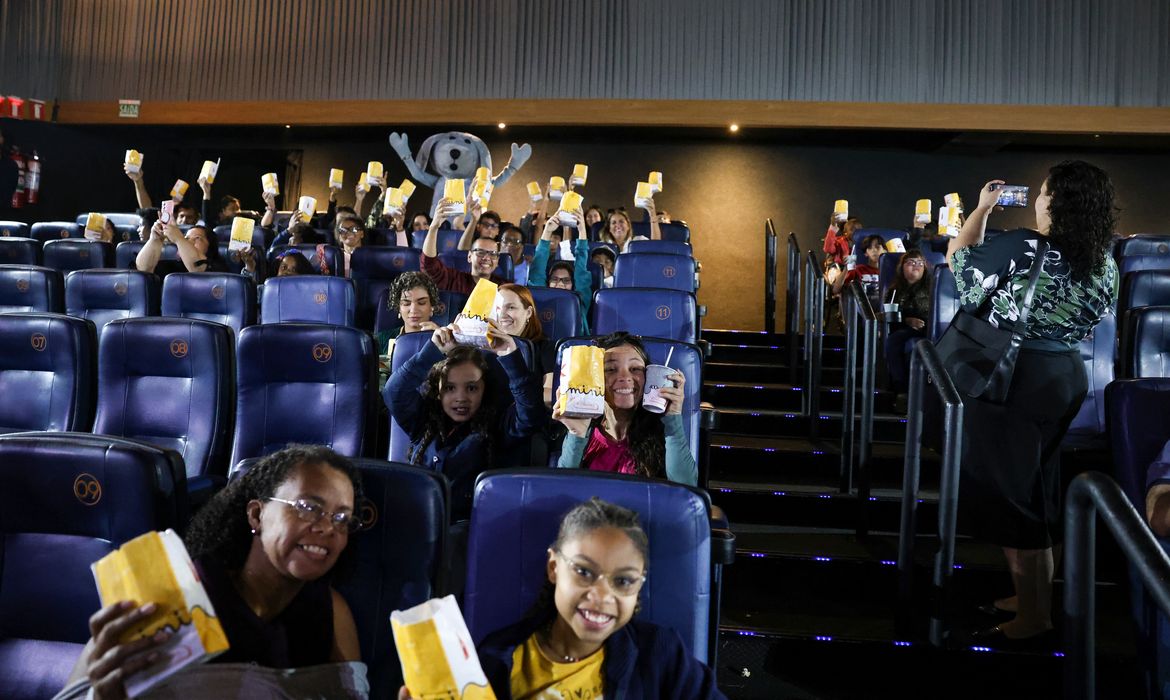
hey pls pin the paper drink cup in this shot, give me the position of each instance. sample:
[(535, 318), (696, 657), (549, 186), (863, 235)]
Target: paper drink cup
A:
[(308, 205), (534, 192), (892, 312), (841, 209), (656, 378), (580, 174), (373, 172), (133, 161), (655, 180), (336, 177)]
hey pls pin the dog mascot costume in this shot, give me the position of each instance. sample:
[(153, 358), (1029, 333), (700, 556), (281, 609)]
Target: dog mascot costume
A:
[(455, 155)]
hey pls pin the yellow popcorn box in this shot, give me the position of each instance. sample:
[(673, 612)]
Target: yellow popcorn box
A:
[(179, 190), (954, 201), (133, 161), (363, 183), (643, 194), (408, 189), (922, 210), (471, 327), (481, 191), (655, 180), (534, 192), (393, 203), (437, 653), (95, 226), (482, 173), (373, 172), (308, 205), (242, 228), (570, 203), (841, 210), (209, 171), (455, 192), (581, 393), (895, 245), (270, 183), (948, 221), (556, 187), (336, 177), (580, 174), (155, 568)]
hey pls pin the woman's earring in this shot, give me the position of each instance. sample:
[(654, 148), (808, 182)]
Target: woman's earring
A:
[(255, 531)]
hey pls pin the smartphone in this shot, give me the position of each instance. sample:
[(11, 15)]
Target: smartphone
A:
[(167, 211), (1013, 196)]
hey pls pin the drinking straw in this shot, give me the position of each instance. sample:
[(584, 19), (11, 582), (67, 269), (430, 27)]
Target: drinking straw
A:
[(668, 354)]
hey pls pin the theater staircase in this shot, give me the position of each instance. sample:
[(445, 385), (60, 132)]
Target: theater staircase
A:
[(809, 607)]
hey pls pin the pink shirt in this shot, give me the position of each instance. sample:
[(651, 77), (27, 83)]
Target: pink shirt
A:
[(604, 454)]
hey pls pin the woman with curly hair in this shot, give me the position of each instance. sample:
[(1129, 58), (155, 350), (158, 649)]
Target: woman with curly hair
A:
[(414, 297), (911, 292), (628, 439), (1010, 474), (264, 548), (442, 398)]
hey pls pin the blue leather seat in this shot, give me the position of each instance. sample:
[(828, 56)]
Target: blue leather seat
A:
[(559, 311), (69, 499), (82, 254), (47, 372), (662, 246), (331, 254), (117, 219), (1146, 346), (126, 254), (398, 561), (236, 266), (447, 240), (674, 231), (104, 295), (885, 233), (661, 313), (514, 519), (45, 231), (31, 288), (1097, 351), (1144, 288), (261, 237), (211, 296), (944, 302), (1133, 263), (450, 305), (303, 383), (14, 229), (373, 269), (658, 270), (1142, 244), (457, 260), (308, 299), (190, 364), (20, 251)]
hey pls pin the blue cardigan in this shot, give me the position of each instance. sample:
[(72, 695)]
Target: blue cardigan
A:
[(642, 662), (461, 456), (582, 279), (680, 463)]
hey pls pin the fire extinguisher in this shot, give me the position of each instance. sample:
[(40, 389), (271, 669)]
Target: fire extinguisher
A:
[(18, 198), (32, 181)]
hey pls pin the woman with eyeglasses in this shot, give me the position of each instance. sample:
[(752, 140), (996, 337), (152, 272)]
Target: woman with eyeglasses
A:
[(264, 548), (351, 233), (581, 638), (911, 292), (572, 275)]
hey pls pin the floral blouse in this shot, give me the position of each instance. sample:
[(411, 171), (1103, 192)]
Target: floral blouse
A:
[(1063, 309)]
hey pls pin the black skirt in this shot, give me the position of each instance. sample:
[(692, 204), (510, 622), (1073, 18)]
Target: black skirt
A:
[(1010, 486)]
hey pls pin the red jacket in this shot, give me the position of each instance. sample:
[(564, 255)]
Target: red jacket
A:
[(452, 280), (837, 246)]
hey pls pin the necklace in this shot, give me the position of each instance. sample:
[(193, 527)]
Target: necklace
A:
[(560, 658)]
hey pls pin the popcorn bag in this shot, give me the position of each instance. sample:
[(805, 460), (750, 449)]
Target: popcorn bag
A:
[(454, 192), (655, 180), (308, 205), (953, 201), (471, 328), (481, 191), (363, 183), (569, 203), (133, 161), (556, 187), (922, 211), (270, 183), (581, 393), (407, 188), (179, 190), (580, 174), (242, 228), (482, 173), (373, 172), (948, 221), (156, 568), (95, 226), (534, 191), (394, 202), (209, 171), (436, 652), (336, 177), (841, 210), (643, 194), (895, 245)]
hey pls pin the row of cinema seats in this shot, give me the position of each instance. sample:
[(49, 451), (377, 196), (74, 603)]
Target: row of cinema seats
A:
[(71, 498)]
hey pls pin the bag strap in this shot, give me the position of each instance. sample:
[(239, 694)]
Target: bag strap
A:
[(1033, 276)]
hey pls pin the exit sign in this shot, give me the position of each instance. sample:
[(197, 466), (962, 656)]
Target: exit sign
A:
[(128, 109)]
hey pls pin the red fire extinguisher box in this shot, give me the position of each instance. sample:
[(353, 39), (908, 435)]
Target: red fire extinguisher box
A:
[(14, 107)]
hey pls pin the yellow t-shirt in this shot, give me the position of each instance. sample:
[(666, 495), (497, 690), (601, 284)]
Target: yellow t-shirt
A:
[(536, 677)]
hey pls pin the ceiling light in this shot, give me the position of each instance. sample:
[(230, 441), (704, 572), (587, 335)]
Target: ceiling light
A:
[(733, 128), (501, 125)]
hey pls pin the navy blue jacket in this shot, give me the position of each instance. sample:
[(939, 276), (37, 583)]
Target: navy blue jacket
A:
[(462, 455), (642, 662)]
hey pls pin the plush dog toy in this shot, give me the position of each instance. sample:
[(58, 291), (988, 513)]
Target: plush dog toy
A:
[(454, 155)]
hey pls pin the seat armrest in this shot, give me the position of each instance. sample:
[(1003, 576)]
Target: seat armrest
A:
[(722, 538)]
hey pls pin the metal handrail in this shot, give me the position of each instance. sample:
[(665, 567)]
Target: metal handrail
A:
[(856, 307), (769, 277), (1089, 493), (926, 361), (814, 330), (792, 308)]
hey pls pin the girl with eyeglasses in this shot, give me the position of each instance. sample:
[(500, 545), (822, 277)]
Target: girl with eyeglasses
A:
[(580, 640), (911, 291), (264, 548)]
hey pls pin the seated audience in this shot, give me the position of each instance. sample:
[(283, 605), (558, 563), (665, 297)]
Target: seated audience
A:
[(593, 216), (198, 251), (291, 262), (515, 314), (911, 291), (512, 245), (264, 548), (414, 297), (605, 258), (618, 230), (866, 271), (420, 222), (351, 234), (484, 256), (628, 439), (838, 246), (573, 276)]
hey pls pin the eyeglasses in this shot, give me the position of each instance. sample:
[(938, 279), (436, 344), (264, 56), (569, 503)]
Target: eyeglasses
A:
[(485, 254), (620, 584), (914, 263), (310, 512), (489, 224), (513, 242), (566, 281), (346, 231)]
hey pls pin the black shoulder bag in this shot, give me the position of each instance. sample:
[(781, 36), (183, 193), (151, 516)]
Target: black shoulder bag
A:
[(980, 357)]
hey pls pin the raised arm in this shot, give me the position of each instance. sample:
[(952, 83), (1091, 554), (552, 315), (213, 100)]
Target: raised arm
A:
[(151, 251), (655, 232), (466, 239), (140, 192), (269, 210), (430, 246), (187, 252), (976, 224)]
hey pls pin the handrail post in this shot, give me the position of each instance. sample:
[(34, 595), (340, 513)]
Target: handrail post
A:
[(848, 401), (911, 475), (770, 263), (806, 351), (865, 450), (948, 509), (814, 341), (792, 309)]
